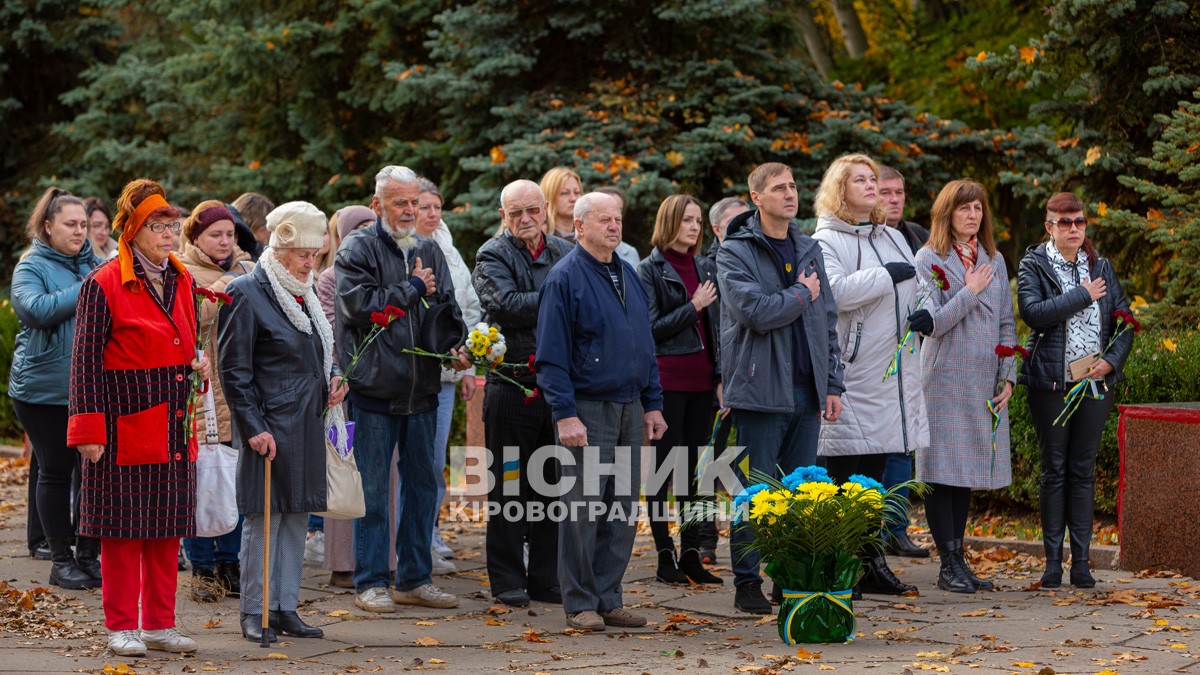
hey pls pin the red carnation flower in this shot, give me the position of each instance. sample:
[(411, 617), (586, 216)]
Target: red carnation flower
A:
[(1004, 351), (1021, 351), (393, 310), (532, 360), (1137, 325), (533, 396), (380, 319), (938, 276), (207, 293), (224, 298)]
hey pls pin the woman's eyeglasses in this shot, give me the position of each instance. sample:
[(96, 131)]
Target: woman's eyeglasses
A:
[(157, 228), (1067, 223)]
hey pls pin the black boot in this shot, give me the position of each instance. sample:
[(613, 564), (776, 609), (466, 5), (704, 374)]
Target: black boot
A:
[(900, 544), (87, 556), (64, 570), (1053, 511), (205, 586), (230, 576), (1052, 577), (289, 623), (980, 584), (879, 578), (952, 576), (252, 629), (1081, 504), (668, 572), (690, 565), (1081, 573)]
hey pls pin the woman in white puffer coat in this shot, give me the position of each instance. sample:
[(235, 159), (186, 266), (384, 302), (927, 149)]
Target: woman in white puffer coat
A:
[(871, 271)]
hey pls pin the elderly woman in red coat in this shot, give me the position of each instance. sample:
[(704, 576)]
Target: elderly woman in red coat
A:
[(132, 368)]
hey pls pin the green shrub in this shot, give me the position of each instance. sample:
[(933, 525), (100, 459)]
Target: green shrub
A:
[(10, 428), (1155, 373)]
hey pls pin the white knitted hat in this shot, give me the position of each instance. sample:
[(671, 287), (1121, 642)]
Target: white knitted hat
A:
[(297, 225)]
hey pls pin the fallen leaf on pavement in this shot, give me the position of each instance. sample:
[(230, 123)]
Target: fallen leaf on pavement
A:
[(427, 641)]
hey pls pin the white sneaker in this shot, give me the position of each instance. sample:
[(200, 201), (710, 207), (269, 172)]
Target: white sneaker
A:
[(314, 548), (168, 640), (426, 596), (126, 643), (375, 600), (440, 547), (441, 565)]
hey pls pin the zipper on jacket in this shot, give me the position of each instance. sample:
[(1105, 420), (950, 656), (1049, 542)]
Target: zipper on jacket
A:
[(857, 342), (899, 368), (667, 277), (412, 389)]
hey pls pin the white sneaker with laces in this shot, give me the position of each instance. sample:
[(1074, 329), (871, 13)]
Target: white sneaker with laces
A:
[(126, 643), (440, 547), (425, 596), (168, 640), (314, 548), (441, 565), (375, 600)]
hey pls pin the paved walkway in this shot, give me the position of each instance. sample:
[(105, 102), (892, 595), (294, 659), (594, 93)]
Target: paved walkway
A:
[(1126, 625)]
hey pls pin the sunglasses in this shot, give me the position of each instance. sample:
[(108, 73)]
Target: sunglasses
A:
[(1068, 223), (516, 214)]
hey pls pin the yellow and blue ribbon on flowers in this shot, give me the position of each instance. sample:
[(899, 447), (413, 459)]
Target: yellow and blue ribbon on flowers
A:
[(1072, 400), (894, 366), (712, 441), (995, 425), (839, 598)]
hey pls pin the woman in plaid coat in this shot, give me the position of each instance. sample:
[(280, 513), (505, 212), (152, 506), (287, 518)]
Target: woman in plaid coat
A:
[(965, 323), (132, 367)]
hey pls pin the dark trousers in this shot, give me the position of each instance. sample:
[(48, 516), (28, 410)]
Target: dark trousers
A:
[(840, 468), (947, 508), (688, 415), (899, 469), (1068, 483), (507, 421), (57, 465)]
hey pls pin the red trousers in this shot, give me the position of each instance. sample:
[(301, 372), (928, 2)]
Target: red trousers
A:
[(134, 569)]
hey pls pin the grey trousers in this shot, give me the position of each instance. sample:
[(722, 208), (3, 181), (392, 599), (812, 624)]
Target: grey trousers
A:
[(594, 548), (288, 531)]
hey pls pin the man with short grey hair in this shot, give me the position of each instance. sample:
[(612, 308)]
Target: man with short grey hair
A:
[(393, 396), (597, 371), (719, 216), (510, 269)]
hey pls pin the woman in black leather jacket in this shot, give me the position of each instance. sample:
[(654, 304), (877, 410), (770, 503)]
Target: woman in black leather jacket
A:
[(1067, 294), (684, 317)]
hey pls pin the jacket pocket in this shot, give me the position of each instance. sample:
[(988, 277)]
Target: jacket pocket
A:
[(281, 399), (855, 340), (142, 437)]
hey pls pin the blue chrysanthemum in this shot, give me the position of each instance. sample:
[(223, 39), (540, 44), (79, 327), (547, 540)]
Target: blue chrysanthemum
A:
[(868, 483), (806, 474)]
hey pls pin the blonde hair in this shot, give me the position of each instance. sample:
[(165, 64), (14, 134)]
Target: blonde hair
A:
[(670, 219), (941, 220), (335, 241), (253, 208), (831, 195), (552, 182)]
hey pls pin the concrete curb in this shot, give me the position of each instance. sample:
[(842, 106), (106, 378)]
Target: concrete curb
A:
[(11, 451), (1102, 557)]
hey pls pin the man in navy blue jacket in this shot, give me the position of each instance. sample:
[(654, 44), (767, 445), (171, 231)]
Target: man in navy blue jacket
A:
[(596, 369)]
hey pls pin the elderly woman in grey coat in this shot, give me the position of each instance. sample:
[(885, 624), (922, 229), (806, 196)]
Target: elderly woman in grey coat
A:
[(276, 351), (871, 271), (965, 323)]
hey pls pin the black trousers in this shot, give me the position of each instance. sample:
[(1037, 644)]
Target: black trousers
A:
[(840, 468), (507, 421), (57, 467), (1068, 481), (947, 507), (689, 418)]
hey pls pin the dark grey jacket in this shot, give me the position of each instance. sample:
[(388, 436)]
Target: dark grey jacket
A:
[(1045, 309), (507, 280), (672, 315), (373, 273), (273, 381), (757, 311)]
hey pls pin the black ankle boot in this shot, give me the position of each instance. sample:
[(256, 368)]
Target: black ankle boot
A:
[(961, 553), (230, 576), (690, 565), (64, 570), (289, 623), (252, 629), (87, 556), (879, 578), (205, 586), (952, 576), (1081, 574), (668, 572), (1052, 577)]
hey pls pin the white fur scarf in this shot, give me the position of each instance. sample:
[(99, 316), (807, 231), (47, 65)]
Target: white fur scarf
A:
[(287, 288)]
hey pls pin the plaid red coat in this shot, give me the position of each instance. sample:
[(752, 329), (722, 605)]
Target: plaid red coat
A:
[(129, 388)]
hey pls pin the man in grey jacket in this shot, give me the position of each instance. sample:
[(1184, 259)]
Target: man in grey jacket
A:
[(782, 363)]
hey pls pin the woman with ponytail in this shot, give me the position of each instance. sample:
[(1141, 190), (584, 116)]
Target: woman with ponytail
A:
[(133, 368), (45, 291), (1067, 295)]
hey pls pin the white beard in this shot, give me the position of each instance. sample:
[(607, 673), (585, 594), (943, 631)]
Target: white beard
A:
[(404, 237)]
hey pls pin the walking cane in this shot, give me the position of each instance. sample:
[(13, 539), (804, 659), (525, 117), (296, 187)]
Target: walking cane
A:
[(266, 594)]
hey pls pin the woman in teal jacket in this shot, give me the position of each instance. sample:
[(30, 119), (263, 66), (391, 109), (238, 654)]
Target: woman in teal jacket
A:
[(45, 290)]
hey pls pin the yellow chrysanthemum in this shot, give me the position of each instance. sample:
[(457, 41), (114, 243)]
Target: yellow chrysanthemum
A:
[(493, 333), (869, 496), (816, 491)]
